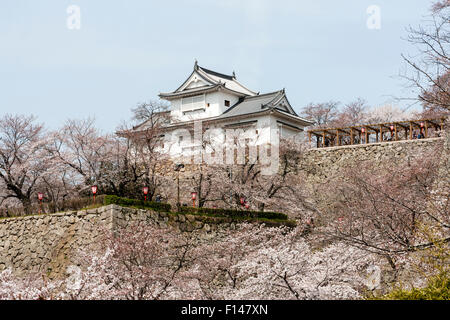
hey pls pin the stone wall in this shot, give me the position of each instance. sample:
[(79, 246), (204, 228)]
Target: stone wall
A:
[(47, 243), (324, 162)]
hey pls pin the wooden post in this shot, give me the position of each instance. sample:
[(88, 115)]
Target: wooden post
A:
[(338, 143), (410, 130), (377, 135), (381, 133), (309, 135), (426, 129), (367, 140), (351, 136), (323, 139), (396, 133)]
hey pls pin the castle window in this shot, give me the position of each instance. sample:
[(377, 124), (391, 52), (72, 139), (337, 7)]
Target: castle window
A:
[(192, 103), (227, 103)]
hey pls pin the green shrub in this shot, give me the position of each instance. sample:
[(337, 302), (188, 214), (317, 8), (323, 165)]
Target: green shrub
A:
[(232, 213), (156, 206), (438, 288)]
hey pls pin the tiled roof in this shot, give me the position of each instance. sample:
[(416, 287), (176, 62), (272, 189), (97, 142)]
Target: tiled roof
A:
[(229, 81), (260, 103), (213, 80), (250, 104)]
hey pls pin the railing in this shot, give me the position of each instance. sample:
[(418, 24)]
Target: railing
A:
[(380, 132)]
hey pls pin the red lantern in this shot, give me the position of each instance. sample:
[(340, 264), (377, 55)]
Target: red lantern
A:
[(392, 128), (422, 124), (40, 197), (94, 191), (363, 130), (145, 190), (242, 201), (247, 205), (194, 196)]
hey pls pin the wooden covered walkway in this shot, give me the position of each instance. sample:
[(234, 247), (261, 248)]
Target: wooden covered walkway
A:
[(380, 132)]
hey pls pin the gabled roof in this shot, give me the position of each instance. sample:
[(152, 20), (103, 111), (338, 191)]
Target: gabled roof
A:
[(250, 104), (210, 80), (276, 101)]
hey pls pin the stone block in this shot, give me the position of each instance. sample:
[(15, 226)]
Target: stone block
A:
[(190, 218)]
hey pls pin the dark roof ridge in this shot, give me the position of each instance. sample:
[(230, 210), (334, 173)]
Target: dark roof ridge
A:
[(263, 95), (187, 91), (217, 74)]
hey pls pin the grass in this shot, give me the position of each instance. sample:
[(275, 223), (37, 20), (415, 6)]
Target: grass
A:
[(27, 215), (92, 206)]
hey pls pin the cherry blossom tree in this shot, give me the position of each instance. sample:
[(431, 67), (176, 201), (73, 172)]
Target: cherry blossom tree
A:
[(292, 270), (141, 262), (147, 142), (356, 112), (249, 262), (114, 163), (81, 147), (429, 69), (24, 160), (283, 191), (322, 114), (123, 172), (386, 113), (30, 287), (351, 114), (385, 211)]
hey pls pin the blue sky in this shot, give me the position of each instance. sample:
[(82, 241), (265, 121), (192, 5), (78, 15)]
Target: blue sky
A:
[(128, 51)]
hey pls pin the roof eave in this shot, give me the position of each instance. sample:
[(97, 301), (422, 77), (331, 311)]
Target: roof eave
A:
[(294, 117), (218, 87)]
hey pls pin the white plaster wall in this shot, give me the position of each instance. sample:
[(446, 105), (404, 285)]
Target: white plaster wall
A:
[(260, 133), (216, 107)]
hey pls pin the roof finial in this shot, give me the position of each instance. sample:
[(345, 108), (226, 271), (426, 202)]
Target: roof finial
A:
[(196, 64), (234, 74)]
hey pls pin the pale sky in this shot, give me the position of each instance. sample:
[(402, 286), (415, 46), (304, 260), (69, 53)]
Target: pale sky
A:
[(128, 51)]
